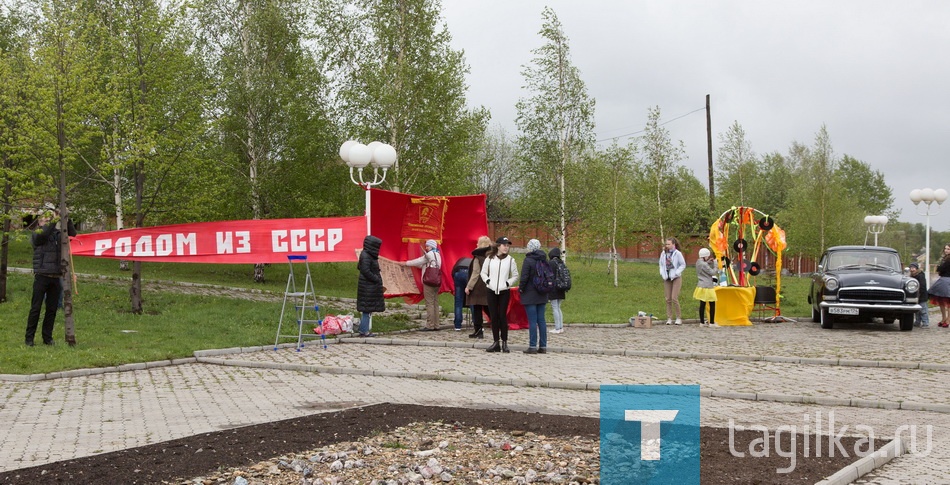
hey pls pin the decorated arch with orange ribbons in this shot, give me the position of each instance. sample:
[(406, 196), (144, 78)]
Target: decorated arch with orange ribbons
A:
[(740, 238)]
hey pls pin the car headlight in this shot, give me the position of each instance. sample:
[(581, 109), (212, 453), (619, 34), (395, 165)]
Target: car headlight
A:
[(912, 286), (831, 284)]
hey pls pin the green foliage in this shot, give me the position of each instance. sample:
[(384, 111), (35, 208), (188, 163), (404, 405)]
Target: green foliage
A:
[(613, 209), (490, 174), (670, 199), (270, 115), (864, 187), (398, 80), (817, 216), (557, 126), (739, 180)]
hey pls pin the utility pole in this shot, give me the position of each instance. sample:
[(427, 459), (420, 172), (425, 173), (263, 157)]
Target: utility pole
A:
[(712, 187)]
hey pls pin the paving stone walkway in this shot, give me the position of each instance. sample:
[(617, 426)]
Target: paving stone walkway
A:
[(93, 412)]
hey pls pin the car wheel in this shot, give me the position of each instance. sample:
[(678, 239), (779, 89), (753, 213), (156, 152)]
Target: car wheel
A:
[(815, 315), (826, 320), (907, 322)]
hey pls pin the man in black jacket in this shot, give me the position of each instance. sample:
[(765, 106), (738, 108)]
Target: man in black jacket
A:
[(47, 274)]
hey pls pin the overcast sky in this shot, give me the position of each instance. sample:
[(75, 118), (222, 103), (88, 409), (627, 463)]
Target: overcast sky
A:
[(876, 73)]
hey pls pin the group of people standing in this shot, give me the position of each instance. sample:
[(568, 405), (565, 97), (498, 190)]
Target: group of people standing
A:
[(493, 274), (488, 279)]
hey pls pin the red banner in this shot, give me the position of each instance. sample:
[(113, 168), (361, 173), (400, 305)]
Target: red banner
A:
[(424, 219), (240, 242), (463, 219)]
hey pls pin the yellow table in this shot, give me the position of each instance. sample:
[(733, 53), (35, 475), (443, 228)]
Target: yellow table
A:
[(734, 305)]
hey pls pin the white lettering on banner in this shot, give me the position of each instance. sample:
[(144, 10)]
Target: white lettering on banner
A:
[(102, 245), (298, 240), (184, 240), (223, 240), (163, 245), (314, 240), (226, 246), (334, 237), (145, 246), (123, 246), (244, 242)]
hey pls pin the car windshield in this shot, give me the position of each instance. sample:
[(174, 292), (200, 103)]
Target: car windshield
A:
[(864, 260)]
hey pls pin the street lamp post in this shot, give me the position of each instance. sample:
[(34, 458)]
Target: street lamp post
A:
[(358, 156), (928, 196), (875, 226)]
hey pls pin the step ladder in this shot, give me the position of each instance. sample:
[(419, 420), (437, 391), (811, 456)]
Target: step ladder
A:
[(300, 305)]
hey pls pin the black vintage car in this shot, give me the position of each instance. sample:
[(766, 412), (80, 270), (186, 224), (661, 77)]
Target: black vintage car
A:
[(860, 283)]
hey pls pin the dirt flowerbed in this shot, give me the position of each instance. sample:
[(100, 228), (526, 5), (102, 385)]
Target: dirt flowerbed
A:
[(395, 444)]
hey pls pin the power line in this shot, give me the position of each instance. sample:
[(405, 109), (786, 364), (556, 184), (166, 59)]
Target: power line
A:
[(661, 124)]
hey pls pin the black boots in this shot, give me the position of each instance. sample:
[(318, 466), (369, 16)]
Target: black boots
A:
[(499, 348), (480, 333)]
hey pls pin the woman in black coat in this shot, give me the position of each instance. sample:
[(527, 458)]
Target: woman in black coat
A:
[(369, 290)]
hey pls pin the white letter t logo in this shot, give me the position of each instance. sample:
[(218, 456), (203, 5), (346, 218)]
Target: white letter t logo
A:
[(649, 429)]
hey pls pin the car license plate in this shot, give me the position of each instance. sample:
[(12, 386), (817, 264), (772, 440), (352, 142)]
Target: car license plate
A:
[(842, 311)]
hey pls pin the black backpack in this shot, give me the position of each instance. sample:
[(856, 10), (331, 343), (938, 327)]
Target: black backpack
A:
[(562, 276), (543, 277)]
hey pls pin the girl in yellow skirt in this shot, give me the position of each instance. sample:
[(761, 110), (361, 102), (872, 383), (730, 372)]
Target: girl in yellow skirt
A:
[(705, 287)]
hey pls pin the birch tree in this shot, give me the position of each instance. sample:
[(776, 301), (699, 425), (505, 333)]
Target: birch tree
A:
[(148, 108), (268, 89), (610, 221), (818, 216), (661, 161), (739, 178), (556, 121), (490, 175)]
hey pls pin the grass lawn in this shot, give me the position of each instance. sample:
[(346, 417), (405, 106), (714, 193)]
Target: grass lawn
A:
[(175, 325)]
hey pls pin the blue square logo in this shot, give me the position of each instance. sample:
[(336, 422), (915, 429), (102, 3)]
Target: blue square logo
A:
[(649, 435)]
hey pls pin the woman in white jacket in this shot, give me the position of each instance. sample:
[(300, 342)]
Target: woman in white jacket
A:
[(672, 265), (500, 274)]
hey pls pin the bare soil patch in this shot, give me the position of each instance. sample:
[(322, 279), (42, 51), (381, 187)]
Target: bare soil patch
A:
[(220, 453)]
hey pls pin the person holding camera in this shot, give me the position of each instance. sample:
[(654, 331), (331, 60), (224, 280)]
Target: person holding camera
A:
[(672, 265), (47, 274), (706, 276)]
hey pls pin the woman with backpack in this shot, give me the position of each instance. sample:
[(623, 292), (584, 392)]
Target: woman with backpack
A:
[(499, 273), (534, 288), (562, 278)]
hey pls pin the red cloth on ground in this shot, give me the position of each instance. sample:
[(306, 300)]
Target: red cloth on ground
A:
[(517, 316)]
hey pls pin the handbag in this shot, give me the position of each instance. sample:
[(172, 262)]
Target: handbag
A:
[(432, 276)]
